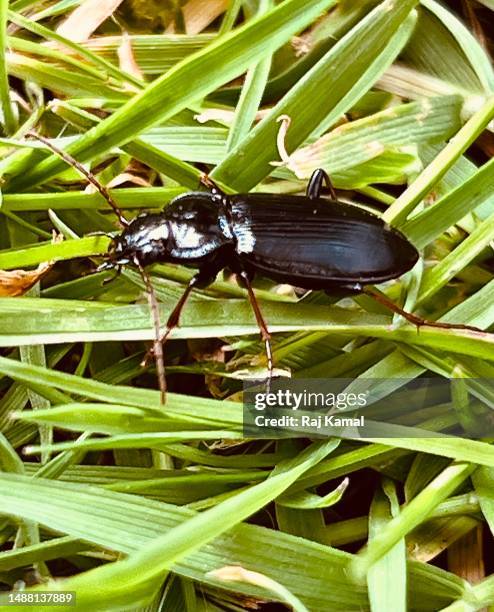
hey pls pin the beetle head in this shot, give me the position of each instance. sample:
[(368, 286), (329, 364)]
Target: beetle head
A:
[(119, 254), (144, 241)]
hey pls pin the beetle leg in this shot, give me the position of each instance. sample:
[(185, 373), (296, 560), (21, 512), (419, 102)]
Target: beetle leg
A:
[(415, 319), (314, 186), (157, 346), (261, 323), (200, 280), (114, 276)]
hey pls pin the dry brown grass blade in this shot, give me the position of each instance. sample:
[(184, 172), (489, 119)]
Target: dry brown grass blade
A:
[(465, 556), (126, 59), (86, 18), (198, 14), (14, 283)]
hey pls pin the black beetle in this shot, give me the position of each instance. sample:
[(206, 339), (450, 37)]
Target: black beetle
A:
[(306, 241)]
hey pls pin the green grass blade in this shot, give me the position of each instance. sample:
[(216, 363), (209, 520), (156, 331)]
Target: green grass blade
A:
[(105, 65), (427, 225), (387, 578), (250, 96), (188, 81), (363, 139), (343, 64), (472, 49), (8, 118), (413, 514), (126, 523), (457, 260), (403, 205), (134, 198), (149, 563)]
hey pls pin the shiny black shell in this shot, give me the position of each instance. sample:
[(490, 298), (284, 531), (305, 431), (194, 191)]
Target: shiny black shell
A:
[(319, 243)]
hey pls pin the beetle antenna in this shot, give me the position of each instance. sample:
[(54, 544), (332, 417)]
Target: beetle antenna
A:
[(157, 343), (88, 175), (415, 319)]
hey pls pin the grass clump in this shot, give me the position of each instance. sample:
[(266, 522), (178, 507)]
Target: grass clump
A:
[(105, 492)]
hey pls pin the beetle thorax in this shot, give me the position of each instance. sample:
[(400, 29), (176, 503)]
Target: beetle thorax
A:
[(199, 226)]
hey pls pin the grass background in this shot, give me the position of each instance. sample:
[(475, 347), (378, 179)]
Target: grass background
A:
[(396, 101)]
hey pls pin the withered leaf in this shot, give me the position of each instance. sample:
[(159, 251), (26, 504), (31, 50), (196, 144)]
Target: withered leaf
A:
[(16, 282)]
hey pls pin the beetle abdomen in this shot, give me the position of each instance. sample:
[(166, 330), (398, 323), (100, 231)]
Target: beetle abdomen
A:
[(318, 243)]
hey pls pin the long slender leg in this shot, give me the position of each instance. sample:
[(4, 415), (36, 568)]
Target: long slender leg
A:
[(314, 186), (157, 346), (261, 323), (200, 280), (174, 318), (115, 275), (409, 316)]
